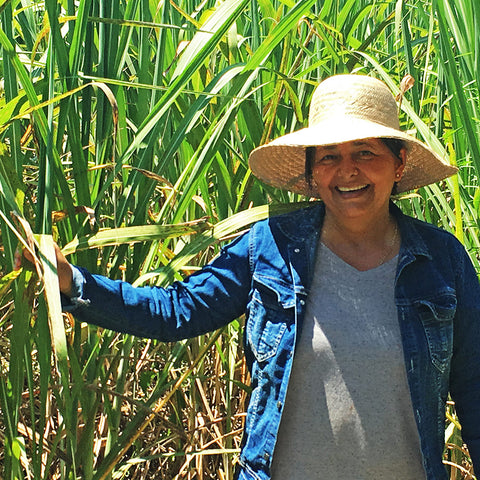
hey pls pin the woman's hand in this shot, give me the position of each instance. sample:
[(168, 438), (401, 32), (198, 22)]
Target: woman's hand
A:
[(64, 272), (64, 269)]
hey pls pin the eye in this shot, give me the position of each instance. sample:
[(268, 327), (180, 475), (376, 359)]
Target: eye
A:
[(364, 155), (328, 159)]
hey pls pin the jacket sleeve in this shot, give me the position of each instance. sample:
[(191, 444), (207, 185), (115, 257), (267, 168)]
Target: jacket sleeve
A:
[(465, 367), (205, 301)]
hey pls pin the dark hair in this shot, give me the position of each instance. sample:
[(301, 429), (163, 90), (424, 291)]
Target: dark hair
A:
[(309, 161), (395, 145)]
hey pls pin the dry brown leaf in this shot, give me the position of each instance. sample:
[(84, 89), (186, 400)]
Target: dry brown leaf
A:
[(59, 215), (153, 176), (405, 85)]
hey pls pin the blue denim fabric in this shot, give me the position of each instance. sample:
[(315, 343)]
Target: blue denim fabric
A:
[(267, 274)]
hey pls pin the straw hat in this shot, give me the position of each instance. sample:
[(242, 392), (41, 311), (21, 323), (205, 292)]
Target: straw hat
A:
[(346, 108)]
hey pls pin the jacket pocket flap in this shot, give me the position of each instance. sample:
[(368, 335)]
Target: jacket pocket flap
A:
[(272, 292)]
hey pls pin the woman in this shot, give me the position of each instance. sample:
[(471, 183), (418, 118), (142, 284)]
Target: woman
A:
[(382, 311)]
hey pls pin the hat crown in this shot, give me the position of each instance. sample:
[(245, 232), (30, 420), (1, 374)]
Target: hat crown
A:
[(353, 97)]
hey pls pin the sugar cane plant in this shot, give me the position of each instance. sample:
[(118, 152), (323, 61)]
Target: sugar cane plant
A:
[(125, 129)]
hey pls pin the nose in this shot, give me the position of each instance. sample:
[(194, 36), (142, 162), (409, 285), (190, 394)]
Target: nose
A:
[(348, 167)]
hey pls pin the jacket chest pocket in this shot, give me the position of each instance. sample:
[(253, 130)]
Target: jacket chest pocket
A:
[(270, 311), (437, 321)]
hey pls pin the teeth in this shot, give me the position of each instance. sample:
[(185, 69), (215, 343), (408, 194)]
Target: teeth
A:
[(352, 189)]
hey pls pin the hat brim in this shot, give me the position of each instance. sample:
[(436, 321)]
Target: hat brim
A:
[(281, 163)]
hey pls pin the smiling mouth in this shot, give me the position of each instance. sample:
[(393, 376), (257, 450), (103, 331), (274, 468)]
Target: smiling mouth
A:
[(357, 188)]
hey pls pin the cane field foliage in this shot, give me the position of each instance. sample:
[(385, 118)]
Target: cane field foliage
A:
[(125, 130)]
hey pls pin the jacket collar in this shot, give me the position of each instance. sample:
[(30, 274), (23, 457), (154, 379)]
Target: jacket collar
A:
[(304, 226), (307, 223), (413, 244)]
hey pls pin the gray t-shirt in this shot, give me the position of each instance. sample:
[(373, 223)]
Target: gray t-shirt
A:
[(348, 412)]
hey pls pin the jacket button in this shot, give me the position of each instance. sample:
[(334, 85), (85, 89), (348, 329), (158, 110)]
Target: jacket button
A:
[(297, 250), (302, 302), (266, 456), (279, 405)]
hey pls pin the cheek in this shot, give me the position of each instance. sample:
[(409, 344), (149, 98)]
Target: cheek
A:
[(381, 173), (321, 174), (320, 181)]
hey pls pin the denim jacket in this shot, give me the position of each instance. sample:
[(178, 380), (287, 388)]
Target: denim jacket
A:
[(267, 273)]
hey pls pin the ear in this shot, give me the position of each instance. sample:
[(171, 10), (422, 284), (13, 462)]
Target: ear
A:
[(401, 164)]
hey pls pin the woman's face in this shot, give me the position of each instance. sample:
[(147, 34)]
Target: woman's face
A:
[(355, 179)]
